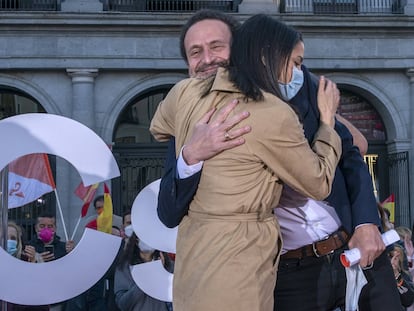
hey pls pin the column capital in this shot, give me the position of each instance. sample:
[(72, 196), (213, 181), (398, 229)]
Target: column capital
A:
[(410, 74), (82, 75), (409, 8)]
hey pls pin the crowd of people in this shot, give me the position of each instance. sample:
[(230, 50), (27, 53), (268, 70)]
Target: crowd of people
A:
[(266, 184), (115, 291)]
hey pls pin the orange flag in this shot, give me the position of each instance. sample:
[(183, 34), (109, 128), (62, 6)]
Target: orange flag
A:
[(30, 177), (104, 220)]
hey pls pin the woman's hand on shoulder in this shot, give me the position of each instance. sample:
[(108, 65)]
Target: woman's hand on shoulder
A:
[(328, 101)]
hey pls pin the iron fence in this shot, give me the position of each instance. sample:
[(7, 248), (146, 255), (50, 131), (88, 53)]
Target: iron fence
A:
[(30, 5), (170, 6), (139, 165), (286, 6), (400, 186), (343, 6)]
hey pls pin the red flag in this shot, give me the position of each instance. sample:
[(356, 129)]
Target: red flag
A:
[(104, 220), (30, 177), (86, 194)]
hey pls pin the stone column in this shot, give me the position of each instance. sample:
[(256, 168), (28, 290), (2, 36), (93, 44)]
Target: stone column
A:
[(83, 110), (83, 106), (410, 74)]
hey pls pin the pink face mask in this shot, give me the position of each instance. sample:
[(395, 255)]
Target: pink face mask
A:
[(46, 235)]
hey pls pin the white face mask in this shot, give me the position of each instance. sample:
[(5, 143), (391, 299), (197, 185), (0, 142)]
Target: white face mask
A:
[(290, 89), (145, 248), (128, 230)]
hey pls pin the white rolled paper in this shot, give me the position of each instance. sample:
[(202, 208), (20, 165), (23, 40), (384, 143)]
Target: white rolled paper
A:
[(352, 256)]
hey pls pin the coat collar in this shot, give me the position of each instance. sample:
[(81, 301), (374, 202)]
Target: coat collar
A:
[(223, 83)]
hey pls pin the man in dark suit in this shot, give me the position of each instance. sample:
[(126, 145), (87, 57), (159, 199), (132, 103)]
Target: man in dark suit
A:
[(352, 197)]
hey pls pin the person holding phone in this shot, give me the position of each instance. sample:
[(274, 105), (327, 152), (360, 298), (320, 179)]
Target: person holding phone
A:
[(50, 248), (46, 242)]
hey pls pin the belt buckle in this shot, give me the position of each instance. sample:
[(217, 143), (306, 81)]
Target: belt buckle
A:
[(315, 251)]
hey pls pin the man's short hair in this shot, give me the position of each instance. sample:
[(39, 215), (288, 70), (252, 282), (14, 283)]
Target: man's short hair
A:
[(204, 14), (45, 215)]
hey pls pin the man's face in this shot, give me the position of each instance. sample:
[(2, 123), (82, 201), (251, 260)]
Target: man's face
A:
[(46, 222), (127, 220), (99, 207), (207, 46)]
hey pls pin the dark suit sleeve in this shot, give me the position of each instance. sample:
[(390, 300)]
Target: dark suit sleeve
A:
[(175, 194), (358, 181)]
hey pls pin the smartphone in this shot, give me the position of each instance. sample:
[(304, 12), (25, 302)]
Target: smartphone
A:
[(49, 248)]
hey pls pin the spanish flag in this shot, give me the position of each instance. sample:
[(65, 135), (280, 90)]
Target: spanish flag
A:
[(104, 220), (389, 204)]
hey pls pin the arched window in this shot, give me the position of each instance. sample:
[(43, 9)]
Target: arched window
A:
[(133, 124), (14, 102), (360, 111), (140, 158), (362, 115)]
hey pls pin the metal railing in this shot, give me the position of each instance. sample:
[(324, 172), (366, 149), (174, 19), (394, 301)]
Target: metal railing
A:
[(140, 164), (343, 6), (400, 187), (170, 6), (30, 5), (286, 6)]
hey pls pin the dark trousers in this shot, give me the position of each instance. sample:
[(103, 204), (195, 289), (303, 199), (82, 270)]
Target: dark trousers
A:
[(319, 284)]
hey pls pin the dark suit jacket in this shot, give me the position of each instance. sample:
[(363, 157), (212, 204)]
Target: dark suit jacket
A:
[(352, 193)]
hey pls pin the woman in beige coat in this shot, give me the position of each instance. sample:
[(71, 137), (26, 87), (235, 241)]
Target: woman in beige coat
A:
[(226, 250)]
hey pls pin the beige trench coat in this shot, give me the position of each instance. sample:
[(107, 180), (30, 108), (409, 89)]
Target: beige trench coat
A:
[(228, 245)]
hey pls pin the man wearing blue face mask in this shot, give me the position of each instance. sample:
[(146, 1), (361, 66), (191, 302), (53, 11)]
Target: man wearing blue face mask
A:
[(314, 233)]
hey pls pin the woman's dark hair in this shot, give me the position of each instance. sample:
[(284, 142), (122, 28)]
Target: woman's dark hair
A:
[(131, 254), (260, 51), (131, 251), (205, 14)]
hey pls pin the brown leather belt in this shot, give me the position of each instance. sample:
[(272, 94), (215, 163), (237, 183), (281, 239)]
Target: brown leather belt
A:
[(320, 248)]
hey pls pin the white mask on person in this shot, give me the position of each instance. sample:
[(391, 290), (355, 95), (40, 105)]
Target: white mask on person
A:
[(128, 230), (145, 248), (290, 89)]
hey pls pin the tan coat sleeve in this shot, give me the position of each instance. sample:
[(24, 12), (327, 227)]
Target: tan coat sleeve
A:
[(285, 151)]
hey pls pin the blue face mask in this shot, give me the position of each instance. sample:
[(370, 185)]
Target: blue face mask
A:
[(11, 247), (292, 88)]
